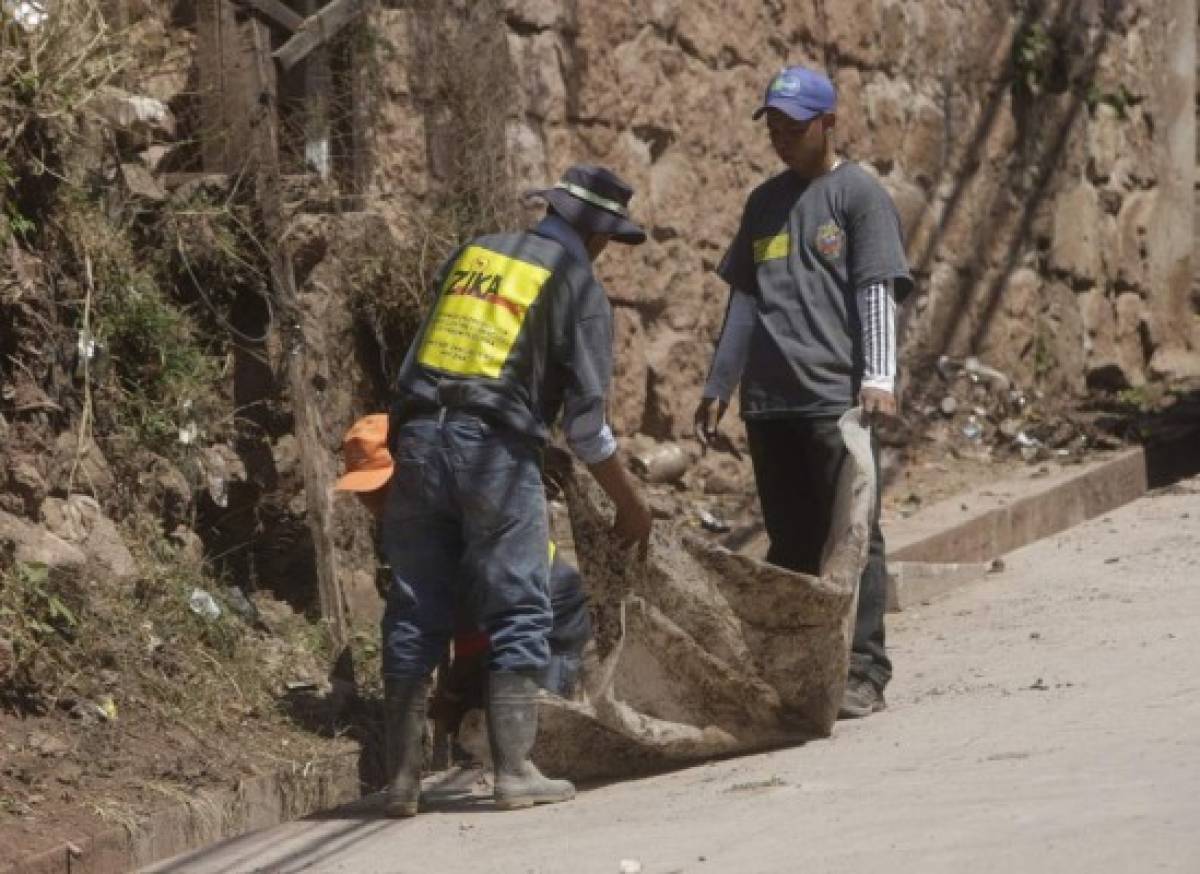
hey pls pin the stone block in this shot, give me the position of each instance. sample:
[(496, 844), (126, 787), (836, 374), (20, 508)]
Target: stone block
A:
[(1075, 249), (627, 404)]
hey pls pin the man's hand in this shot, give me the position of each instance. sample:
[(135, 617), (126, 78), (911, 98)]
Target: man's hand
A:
[(632, 525), (705, 421), (876, 402)]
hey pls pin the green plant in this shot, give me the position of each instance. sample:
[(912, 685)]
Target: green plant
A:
[(1120, 99), (161, 367), (1032, 59), (1044, 359), (33, 615), (1137, 398), (16, 223)]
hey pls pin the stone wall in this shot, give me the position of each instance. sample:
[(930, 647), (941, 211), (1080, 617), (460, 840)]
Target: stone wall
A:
[(1040, 153)]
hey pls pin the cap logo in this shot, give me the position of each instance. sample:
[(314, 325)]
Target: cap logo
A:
[(786, 84), (592, 197)]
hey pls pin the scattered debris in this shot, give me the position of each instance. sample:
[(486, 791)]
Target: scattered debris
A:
[(712, 523), (661, 464), (997, 566), (753, 785), (203, 604), (241, 605), (30, 14), (134, 113), (107, 708), (980, 372), (1000, 416)]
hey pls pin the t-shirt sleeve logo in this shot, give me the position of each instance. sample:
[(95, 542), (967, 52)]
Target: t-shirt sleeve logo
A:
[(770, 248), (480, 311), (830, 241)]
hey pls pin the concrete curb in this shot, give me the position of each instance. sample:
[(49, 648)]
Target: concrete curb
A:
[(952, 542), (253, 804), (917, 582)]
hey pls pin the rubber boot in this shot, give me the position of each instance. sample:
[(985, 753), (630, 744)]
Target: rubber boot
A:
[(512, 728), (404, 705)]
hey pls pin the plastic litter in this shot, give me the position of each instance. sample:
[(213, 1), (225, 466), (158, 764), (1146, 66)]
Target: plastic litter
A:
[(712, 523), (240, 604), (662, 464), (30, 14), (999, 382), (218, 490), (203, 604), (107, 708), (1024, 440)]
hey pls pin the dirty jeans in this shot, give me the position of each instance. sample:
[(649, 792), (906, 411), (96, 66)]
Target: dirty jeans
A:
[(796, 467), (572, 628), (465, 518)]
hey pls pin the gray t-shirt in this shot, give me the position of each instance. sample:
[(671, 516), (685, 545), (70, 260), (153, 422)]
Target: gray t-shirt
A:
[(802, 250)]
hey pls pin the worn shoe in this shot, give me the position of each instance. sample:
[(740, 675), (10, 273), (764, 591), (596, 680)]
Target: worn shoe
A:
[(512, 728), (861, 698)]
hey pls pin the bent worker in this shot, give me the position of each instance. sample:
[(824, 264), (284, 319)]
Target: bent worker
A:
[(520, 333), (815, 272), (368, 474)]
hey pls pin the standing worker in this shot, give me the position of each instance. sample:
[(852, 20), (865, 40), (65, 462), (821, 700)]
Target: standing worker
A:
[(815, 273), (520, 331)]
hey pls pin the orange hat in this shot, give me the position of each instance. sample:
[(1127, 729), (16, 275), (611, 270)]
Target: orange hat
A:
[(368, 462)]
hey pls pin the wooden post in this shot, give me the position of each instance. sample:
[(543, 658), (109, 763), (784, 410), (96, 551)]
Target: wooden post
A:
[(318, 86), (227, 90), (317, 30), (316, 463)]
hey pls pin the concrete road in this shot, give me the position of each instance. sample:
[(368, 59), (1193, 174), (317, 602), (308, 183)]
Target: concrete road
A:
[(1043, 719)]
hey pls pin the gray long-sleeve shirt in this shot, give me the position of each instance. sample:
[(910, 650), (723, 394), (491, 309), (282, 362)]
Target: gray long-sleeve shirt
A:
[(877, 314)]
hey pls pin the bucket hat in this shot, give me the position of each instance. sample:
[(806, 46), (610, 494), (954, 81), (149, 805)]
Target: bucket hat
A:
[(594, 200)]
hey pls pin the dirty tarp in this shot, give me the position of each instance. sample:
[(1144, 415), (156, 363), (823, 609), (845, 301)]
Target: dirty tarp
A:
[(699, 651)]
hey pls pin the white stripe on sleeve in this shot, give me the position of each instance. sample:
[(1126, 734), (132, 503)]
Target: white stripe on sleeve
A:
[(877, 313)]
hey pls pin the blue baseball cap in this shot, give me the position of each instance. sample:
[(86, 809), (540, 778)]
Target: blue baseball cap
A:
[(801, 93)]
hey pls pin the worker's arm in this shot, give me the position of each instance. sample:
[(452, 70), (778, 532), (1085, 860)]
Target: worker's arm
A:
[(729, 360), (632, 523), (587, 431), (877, 313)]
